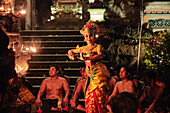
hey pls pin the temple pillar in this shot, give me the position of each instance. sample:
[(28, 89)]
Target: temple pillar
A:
[(28, 16), (33, 15), (30, 19)]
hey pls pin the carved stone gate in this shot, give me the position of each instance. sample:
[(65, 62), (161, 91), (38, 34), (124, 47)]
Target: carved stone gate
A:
[(64, 15)]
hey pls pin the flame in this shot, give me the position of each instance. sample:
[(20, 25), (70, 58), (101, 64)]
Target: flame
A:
[(27, 49), (2, 8), (23, 12), (18, 68), (33, 49)]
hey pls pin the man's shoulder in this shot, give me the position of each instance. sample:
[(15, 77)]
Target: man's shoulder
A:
[(46, 79), (130, 81), (62, 79), (118, 84)]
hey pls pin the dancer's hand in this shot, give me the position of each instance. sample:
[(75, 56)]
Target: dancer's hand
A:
[(81, 56), (70, 55)]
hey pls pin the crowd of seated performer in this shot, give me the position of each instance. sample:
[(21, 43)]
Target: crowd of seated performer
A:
[(146, 90), (150, 96)]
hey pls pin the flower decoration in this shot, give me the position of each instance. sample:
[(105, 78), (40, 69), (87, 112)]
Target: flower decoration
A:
[(88, 26)]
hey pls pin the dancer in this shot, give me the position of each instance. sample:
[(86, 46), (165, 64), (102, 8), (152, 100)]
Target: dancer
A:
[(96, 93)]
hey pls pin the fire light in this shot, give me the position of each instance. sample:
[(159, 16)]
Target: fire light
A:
[(27, 49), (1, 8), (22, 12), (33, 49), (18, 68)]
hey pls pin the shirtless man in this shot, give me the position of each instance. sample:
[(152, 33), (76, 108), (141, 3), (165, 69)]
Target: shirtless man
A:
[(54, 86), (80, 86), (122, 86), (84, 76), (152, 94), (62, 74)]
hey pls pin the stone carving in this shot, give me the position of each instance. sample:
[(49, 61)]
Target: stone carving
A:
[(66, 9)]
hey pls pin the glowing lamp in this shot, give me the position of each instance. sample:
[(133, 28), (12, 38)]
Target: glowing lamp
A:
[(97, 14)]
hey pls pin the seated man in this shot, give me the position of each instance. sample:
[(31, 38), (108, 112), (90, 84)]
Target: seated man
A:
[(61, 74), (54, 86), (80, 86), (84, 76), (125, 85), (138, 86), (152, 94)]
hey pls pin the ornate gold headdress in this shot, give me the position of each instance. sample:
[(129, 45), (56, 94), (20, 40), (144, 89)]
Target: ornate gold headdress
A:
[(89, 27)]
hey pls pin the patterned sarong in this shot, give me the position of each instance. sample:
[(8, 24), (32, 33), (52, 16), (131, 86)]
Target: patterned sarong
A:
[(95, 100)]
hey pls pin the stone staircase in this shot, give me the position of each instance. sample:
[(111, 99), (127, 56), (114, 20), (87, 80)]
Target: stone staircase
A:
[(51, 48)]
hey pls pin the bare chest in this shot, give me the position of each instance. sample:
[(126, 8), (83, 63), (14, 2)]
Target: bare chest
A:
[(124, 87), (53, 85)]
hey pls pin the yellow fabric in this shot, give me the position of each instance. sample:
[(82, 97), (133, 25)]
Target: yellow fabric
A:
[(88, 51), (98, 72), (99, 75)]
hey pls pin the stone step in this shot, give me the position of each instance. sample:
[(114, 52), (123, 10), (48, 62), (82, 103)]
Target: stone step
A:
[(52, 50), (48, 57), (48, 32), (46, 64), (53, 38), (51, 57), (44, 71), (56, 57), (55, 43)]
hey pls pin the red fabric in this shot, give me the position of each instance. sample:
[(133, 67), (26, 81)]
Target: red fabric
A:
[(39, 111), (95, 100)]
